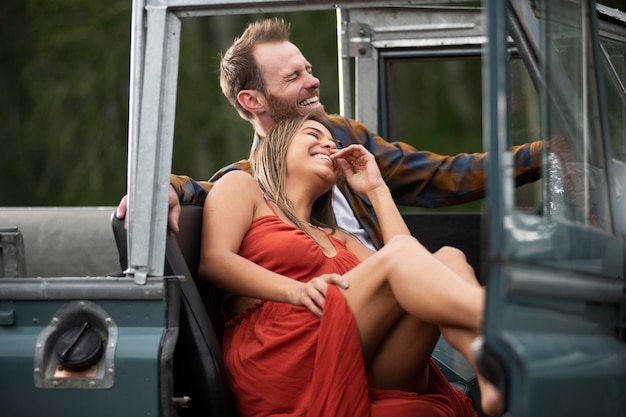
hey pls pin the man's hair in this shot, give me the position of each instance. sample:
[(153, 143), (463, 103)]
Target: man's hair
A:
[(269, 168), (238, 68)]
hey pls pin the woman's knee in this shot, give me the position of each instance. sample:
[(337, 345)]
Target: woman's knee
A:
[(404, 243), (403, 248), (456, 260), (450, 253)]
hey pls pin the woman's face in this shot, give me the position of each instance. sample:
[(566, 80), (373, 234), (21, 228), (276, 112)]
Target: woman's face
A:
[(308, 155)]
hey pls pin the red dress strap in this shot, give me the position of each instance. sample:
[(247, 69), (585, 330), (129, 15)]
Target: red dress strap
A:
[(270, 205)]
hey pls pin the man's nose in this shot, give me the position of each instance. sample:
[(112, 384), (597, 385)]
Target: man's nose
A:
[(312, 81)]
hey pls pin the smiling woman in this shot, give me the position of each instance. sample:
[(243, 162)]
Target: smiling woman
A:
[(311, 139), (310, 307)]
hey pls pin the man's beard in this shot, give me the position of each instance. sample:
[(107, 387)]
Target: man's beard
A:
[(280, 109)]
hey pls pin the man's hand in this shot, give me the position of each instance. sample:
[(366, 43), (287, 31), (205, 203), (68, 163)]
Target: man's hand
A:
[(173, 210)]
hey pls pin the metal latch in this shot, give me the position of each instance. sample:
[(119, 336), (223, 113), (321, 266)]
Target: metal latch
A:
[(180, 403), (12, 257), (359, 39)]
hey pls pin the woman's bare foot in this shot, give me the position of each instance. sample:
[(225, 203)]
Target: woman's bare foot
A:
[(466, 342), (490, 398)]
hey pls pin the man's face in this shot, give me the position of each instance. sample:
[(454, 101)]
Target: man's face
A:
[(291, 88)]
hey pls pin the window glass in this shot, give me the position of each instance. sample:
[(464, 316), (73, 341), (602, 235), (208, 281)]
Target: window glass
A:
[(525, 127), (567, 221), (579, 193), (614, 54), (434, 104)]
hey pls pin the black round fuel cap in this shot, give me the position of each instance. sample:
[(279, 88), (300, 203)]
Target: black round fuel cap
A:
[(79, 348)]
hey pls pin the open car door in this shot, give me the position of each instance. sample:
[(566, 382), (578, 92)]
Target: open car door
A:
[(554, 327)]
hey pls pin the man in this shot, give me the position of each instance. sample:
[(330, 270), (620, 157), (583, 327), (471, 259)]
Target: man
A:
[(266, 77)]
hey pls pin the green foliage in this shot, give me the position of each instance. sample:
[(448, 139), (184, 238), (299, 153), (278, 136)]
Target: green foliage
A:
[(64, 107), (64, 117), (64, 104)]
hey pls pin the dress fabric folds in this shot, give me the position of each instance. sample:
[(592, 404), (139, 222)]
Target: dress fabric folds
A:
[(285, 361)]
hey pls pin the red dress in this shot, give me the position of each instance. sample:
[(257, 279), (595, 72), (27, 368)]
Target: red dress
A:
[(285, 361)]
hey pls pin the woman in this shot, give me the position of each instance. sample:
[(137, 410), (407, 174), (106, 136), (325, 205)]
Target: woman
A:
[(271, 243)]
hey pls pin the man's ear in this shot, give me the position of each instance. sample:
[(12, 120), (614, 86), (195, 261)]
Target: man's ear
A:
[(253, 101)]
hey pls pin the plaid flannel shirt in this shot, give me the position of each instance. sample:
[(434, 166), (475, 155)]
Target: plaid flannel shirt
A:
[(415, 178)]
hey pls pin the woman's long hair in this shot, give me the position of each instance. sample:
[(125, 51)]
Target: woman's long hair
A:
[(269, 168)]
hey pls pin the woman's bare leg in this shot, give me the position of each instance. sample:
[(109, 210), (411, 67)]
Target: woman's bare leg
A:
[(414, 340), (409, 339), (455, 259), (462, 339), (386, 285)]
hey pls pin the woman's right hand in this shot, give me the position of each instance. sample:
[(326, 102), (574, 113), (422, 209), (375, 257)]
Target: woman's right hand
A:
[(312, 294), (360, 168)]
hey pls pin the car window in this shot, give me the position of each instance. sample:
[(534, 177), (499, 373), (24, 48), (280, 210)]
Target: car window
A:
[(571, 224)]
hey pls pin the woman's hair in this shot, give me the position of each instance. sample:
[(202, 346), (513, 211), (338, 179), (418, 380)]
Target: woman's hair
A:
[(270, 171), (238, 68)]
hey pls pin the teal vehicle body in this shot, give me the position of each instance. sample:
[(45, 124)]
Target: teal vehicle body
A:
[(127, 329), (135, 330), (554, 326)]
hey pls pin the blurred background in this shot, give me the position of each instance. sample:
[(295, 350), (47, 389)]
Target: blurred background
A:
[(64, 69)]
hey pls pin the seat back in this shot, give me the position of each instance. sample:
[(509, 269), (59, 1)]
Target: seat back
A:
[(198, 369), (457, 229)]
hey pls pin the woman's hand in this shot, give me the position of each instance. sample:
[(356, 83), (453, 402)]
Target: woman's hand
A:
[(360, 168), (312, 294)]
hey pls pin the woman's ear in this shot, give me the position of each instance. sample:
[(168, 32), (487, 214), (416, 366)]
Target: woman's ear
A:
[(252, 100)]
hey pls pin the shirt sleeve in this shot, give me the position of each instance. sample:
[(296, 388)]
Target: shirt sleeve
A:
[(191, 191), (425, 179)]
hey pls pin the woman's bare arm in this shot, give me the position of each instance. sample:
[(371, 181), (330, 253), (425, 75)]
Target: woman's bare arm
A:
[(363, 175), (229, 210)]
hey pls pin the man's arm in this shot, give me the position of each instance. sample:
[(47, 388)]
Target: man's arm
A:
[(195, 192), (184, 190), (189, 190), (425, 179)]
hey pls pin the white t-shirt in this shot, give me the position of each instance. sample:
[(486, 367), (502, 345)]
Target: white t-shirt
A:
[(347, 220)]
